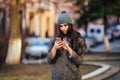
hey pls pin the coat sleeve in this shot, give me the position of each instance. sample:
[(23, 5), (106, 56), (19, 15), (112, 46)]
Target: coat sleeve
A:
[(49, 59), (77, 57)]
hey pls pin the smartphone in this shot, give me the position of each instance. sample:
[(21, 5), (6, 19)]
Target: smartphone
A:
[(58, 39)]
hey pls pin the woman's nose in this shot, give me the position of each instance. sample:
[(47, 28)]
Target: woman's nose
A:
[(63, 28)]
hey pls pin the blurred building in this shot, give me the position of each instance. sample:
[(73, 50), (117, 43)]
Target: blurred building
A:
[(36, 16)]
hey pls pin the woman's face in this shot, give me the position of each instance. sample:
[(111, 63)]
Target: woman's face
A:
[(64, 28)]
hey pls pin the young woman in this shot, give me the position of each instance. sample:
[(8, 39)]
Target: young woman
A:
[(66, 50)]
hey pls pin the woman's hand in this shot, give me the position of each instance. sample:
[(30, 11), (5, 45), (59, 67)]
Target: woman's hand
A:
[(58, 44), (66, 45)]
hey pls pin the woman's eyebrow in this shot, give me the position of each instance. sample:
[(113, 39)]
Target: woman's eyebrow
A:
[(63, 24)]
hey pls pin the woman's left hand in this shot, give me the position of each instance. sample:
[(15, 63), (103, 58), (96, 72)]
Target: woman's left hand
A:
[(65, 45)]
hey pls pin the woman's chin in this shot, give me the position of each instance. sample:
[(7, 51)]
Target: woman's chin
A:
[(64, 33)]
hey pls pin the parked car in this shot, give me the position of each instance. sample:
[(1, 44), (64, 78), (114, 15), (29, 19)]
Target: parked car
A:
[(116, 31), (110, 34), (96, 32), (36, 49)]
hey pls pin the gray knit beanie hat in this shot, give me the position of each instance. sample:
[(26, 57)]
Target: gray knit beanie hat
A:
[(64, 17)]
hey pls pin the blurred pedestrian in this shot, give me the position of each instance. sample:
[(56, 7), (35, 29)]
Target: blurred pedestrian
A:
[(66, 50), (82, 31)]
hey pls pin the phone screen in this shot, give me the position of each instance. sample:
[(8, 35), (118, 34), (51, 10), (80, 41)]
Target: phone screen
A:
[(58, 39)]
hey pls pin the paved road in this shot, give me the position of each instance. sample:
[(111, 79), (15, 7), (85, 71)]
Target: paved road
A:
[(116, 64), (115, 46), (116, 77), (113, 63)]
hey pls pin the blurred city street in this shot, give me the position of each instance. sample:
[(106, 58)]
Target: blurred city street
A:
[(115, 47), (27, 27)]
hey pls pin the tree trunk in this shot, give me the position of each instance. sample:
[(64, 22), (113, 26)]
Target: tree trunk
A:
[(107, 44), (106, 40), (14, 48)]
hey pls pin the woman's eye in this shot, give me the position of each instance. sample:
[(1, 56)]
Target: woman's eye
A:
[(65, 25)]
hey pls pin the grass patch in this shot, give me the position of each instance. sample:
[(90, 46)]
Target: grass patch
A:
[(25, 77), (46, 77), (31, 72)]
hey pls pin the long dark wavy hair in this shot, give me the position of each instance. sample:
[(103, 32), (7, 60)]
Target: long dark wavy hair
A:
[(72, 37)]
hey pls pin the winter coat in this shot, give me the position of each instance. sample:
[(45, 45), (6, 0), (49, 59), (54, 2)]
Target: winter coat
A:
[(66, 67)]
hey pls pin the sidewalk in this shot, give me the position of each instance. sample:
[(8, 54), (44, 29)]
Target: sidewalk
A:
[(101, 56), (104, 60)]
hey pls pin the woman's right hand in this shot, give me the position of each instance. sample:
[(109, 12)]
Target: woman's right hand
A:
[(58, 44)]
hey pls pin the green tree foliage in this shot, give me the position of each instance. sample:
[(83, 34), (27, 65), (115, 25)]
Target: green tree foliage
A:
[(98, 8)]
